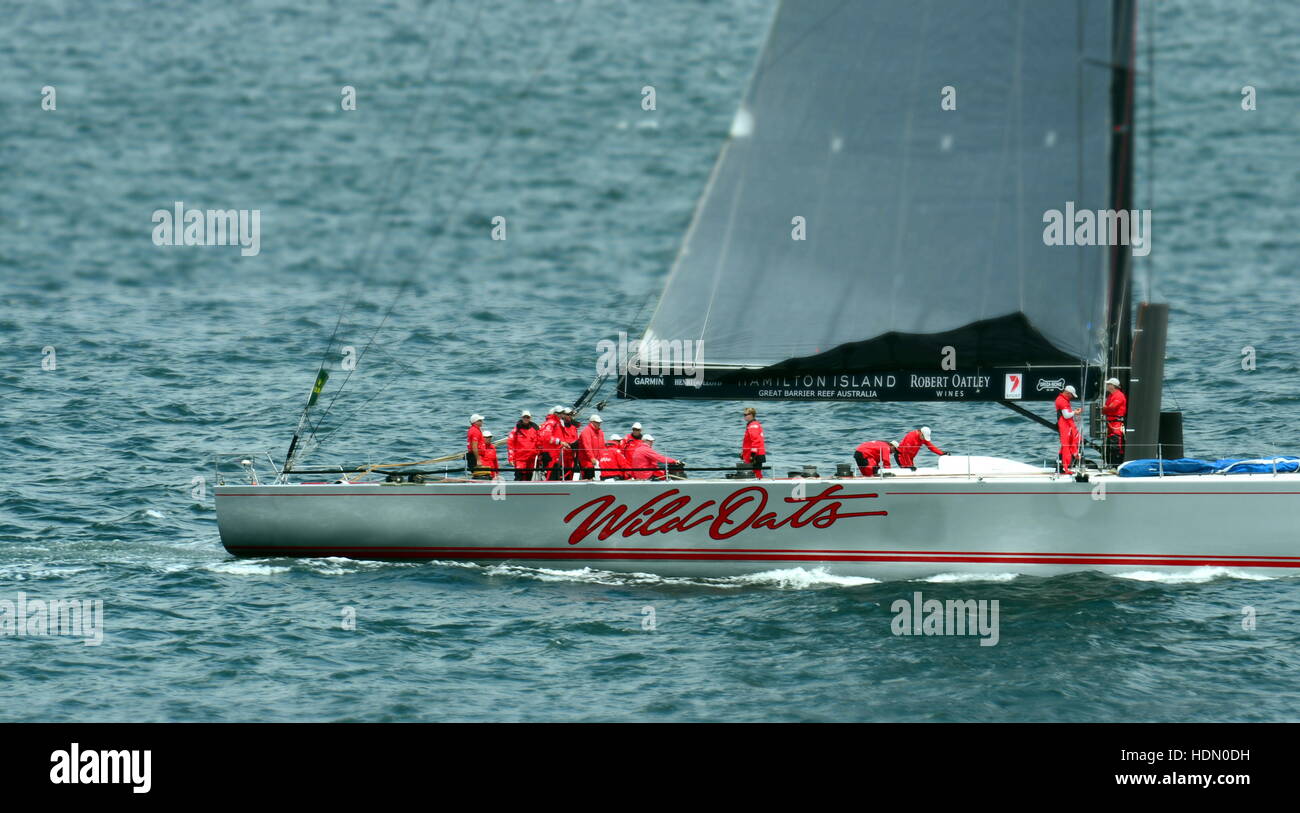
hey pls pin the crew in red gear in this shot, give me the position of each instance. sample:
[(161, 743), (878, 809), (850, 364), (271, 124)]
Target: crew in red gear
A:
[(752, 449), (645, 457), (473, 440), (874, 454), (563, 438), (1115, 410), (613, 465), (1068, 429), (546, 442), (910, 446), (590, 443), (632, 440), (522, 443), (487, 456)]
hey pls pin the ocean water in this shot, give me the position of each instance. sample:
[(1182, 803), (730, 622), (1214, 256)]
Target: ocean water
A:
[(164, 357)]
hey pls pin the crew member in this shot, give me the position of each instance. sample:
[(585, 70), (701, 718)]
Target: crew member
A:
[(910, 446), (648, 464), (632, 440), (523, 450), (874, 454), (545, 442), (565, 439), (1115, 410), (1068, 429), (613, 465), (487, 455), (752, 449), (473, 440), (590, 442)]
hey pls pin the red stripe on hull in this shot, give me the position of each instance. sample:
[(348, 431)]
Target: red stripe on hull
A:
[(544, 555)]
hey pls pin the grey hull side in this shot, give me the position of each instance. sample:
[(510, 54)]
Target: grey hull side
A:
[(888, 528)]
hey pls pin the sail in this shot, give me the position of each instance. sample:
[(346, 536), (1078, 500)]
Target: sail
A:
[(875, 224)]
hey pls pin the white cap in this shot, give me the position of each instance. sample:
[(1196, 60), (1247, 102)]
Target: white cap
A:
[(525, 414), (636, 426), (487, 433), (1070, 389), (613, 438), (648, 438), (925, 432), (1114, 381), (475, 417), (596, 418), (557, 409)]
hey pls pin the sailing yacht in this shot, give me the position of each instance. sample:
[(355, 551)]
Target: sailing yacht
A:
[(876, 222)]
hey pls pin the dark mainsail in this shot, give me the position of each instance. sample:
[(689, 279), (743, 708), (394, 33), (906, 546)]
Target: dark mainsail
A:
[(923, 274)]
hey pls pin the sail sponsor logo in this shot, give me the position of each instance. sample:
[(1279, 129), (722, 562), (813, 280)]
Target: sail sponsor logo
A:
[(209, 227), (740, 511), (1014, 386), (950, 382), (1105, 227), (654, 357), (1050, 384)]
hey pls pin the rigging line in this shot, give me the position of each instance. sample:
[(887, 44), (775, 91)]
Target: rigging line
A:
[(472, 176), (389, 202), (371, 250), (347, 418)]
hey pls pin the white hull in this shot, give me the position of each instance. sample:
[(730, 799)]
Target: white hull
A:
[(885, 528)]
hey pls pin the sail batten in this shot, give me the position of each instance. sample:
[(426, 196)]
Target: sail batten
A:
[(856, 218)]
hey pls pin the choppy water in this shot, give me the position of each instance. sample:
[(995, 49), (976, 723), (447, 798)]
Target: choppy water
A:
[(168, 355)]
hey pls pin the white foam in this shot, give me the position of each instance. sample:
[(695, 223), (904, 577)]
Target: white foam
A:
[(246, 568), (1198, 575), (341, 566), (959, 578), (155, 514), (792, 578), (798, 578), (20, 573)]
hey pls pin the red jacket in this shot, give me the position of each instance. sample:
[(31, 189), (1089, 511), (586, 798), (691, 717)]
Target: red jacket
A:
[(877, 453), (1063, 404), (590, 443), (612, 462), (555, 432), (628, 445), (473, 439), (487, 458), (753, 441), (1115, 411), (526, 438), (644, 457), (910, 445)]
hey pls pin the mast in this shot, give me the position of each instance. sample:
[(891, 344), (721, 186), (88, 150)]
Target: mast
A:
[(1119, 307)]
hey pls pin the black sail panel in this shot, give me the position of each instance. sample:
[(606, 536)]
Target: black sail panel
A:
[(923, 226)]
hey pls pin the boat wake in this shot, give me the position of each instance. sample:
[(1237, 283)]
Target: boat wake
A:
[(1200, 575)]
